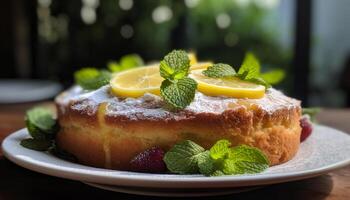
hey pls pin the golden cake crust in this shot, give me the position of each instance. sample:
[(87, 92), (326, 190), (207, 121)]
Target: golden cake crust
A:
[(106, 131)]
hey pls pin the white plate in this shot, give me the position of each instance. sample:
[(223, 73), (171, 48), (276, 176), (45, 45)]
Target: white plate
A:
[(173, 192), (22, 90), (327, 149)]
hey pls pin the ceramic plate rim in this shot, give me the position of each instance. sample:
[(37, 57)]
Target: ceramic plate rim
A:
[(114, 177)]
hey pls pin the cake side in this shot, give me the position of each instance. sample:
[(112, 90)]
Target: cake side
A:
[(106, 131)]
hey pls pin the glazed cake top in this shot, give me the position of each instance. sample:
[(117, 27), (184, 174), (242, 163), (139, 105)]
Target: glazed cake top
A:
[(151, 106)]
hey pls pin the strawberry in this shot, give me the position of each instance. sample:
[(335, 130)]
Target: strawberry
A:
[(151, 160), (306, 126)]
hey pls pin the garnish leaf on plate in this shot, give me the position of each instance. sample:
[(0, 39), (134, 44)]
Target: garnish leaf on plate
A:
[(42, 127), (36, 144), (183, 157), (188, 157)]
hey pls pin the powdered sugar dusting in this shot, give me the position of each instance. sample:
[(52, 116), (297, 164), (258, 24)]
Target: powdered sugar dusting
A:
[(152, 106)]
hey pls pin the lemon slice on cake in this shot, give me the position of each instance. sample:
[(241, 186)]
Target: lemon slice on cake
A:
[(136, 82), (231, 87), (200, 65)]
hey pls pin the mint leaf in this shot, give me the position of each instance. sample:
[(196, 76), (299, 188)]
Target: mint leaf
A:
[(249, 154), (274, 76), (250, 67), (188, 157), (91, 78), (35, 144), (219, 70), (175, 65), (244, 159), (206, 163), (220, 149), (131, 61), (218, 173), (259, 81), (178, 93), (41, 123), (126, 62), (42, 127), (114, 66), (183, 157)]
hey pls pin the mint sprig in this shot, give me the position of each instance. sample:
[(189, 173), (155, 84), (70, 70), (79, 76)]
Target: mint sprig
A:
[(188, 158), (219, 70), (175, 65), (35, 144), (250, 67), (183, 157), (126, 62), (178, 93), (42, 127), (245, 160), (249, 71), (92, 78), (274, 76), (177, 89)]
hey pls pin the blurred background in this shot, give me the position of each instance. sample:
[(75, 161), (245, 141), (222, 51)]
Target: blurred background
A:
[(310, 40)]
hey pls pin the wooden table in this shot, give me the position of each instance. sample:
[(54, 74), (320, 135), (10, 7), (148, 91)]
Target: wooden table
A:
[(20, 183)]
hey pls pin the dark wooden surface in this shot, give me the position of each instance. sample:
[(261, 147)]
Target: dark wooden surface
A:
[(19, 183)]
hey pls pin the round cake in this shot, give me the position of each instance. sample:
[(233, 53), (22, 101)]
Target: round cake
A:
[(103, 130)]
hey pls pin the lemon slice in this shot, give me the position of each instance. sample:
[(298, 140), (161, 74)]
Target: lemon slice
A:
[(193, 58), (136, 82), (201, 65), (232, 87)]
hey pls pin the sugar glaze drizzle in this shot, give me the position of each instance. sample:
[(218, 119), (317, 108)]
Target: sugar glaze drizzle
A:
[(151, 106)]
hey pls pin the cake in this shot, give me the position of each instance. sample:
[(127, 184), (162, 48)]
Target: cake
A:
[(107, 131)]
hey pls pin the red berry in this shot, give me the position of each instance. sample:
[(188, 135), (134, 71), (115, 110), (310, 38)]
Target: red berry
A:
[(150, 160), (306, 126)]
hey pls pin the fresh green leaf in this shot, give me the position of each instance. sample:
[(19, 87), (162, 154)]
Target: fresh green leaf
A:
[(244, 159), (130, 61), (42, 127), (312, 112), (249, 154), (274, 76), (175, 65), (220, 149), (206, 163), (188, 157), (41, 123), (250, 67), (259, 81), (36, 132), (126, 62), (114, 66), (178, 93), (219, 70), (183, 157), (35, 144), (91, 78), (218, 173)]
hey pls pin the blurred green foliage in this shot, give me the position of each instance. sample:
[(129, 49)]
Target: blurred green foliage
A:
[(244, 28)]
